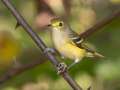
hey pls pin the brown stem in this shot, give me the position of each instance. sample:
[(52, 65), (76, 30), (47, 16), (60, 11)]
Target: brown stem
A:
[(100, 25)]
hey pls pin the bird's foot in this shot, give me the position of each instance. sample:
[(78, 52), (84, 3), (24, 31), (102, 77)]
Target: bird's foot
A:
[(61, 67), (49, 50)]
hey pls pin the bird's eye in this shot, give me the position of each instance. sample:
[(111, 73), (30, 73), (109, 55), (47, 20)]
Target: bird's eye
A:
[(60, 24)]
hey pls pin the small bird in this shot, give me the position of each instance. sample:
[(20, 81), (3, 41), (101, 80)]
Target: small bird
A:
[(68, 43)]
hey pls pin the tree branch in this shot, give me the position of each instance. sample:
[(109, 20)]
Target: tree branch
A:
[(100, 25), (39, 43)]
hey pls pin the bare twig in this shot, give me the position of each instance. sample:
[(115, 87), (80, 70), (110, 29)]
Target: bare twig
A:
[(39, 43), (100, 25)]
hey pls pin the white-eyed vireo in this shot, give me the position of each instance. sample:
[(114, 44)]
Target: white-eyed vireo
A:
[(68, 43)]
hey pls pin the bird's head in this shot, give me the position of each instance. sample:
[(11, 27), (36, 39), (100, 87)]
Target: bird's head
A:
[(56, 23)]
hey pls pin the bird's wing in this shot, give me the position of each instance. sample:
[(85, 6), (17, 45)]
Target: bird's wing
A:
[(75, 38), (78, 41)]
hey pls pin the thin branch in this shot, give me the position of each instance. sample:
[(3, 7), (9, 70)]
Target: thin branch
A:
[(100, 25), (39, 43), (16, 71)]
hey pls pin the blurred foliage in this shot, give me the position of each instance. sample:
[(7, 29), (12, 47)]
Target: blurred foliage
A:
[(81, 15), (9, 47)]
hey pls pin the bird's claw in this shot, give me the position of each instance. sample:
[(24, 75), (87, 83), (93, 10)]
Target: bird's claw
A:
[(62, 67), (49, 50)]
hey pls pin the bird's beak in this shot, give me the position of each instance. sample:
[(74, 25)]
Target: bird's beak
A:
[(48, 27)]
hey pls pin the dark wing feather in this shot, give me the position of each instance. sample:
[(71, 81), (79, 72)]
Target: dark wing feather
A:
[(78, 41), (75, 38)]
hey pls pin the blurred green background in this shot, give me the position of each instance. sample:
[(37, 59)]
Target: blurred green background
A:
[(80, 14)]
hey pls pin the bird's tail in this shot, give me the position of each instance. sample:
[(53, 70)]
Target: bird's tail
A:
[(95, 54)]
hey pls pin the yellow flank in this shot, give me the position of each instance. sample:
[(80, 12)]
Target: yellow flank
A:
[(71, 51)]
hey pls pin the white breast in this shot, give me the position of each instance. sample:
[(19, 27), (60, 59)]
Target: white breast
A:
[(59, 37)]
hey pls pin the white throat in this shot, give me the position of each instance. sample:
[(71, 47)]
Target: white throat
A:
[(59, 37)]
